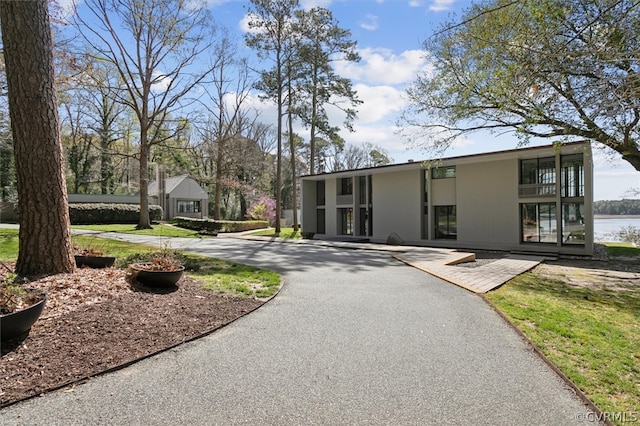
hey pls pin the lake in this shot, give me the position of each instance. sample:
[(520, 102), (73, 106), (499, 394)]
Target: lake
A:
[(607, 228)]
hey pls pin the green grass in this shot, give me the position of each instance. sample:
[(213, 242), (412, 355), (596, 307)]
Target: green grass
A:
[(238, 279), (217, 275), (593, 336), (8, 244), (161, 230), (622, 249), (284, 233)]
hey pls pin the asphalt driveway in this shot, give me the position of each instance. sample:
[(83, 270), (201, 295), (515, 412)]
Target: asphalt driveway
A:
[(354, 337)]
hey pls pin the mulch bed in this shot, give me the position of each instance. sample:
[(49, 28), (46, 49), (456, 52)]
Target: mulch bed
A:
[(95, 321)]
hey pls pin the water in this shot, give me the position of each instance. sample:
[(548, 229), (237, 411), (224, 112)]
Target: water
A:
[(607, 229)]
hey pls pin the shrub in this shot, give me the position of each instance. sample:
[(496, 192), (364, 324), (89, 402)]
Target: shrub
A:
[(630, 234), (264, 209), (209, 226), (102, 213)]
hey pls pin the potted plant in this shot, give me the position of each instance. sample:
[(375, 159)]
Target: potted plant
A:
[(160, 270), (20, 308), (92, 257)]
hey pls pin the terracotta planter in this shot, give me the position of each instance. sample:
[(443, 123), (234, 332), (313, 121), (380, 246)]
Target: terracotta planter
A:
[(156, 278), (18, 323), (94, 261)]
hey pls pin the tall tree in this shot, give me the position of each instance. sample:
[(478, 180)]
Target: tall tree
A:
[(44, 236), (228, 118), (359, 156), (270, 34), (101, 86), (323, 43), (153, 44), (542, 68)]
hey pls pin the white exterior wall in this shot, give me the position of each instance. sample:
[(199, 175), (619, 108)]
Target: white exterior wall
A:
[(487, 202), (331, 214), (397, 204), (187, 190), (485, 192)]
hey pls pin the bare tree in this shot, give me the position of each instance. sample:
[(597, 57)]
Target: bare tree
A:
[(45, 237), (154, 45), (228, 118)]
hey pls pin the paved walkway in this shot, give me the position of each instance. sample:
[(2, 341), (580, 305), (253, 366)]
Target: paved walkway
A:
[(354, 337), (441, 262), (479, 279)]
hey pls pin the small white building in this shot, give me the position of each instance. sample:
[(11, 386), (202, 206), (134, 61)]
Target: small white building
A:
[(536, 199), (180, 196)]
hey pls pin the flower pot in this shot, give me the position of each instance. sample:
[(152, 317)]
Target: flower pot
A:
[(19, 322), (94, 261), (156, 278)]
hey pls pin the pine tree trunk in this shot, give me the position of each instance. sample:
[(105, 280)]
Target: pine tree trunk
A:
[(44, 238), (144, 222)]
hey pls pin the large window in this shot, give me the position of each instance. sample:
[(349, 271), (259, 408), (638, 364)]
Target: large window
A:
[(425, 204), (538, 177), (573, 223), (191, 206), (448, 172), (572, 178), (446, 224), (539, 223), (320, 221), (320, 193), (362, 184), (346, 186), (345, 218)]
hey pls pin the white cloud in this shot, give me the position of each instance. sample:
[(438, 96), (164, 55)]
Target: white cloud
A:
[(415, 3), (441, 5), (379, 102), (369, 23), (160, 82), (310, 4), (63, 10), (382, 66), (244, 23), (214, 3)]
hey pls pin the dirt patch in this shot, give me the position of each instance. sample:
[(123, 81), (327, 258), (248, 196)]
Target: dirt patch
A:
[(94, 320), (617, 275)]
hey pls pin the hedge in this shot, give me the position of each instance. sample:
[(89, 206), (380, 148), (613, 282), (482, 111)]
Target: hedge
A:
[(102, 213), (210, 226)]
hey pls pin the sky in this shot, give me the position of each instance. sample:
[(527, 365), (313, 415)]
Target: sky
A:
[(389, 36)]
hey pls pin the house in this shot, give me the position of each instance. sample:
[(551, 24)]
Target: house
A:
[(536, 199), (180, 196)]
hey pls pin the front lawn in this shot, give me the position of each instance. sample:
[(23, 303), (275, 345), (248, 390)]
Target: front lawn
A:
[(284, 233), (591, 333), (217, 275), (159, 230)]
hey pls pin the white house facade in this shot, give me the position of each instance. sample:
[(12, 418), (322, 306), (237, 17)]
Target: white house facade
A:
[(180, 196), (535, 199)]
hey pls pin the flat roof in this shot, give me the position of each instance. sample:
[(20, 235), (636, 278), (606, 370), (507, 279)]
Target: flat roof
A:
[(413, 164)]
